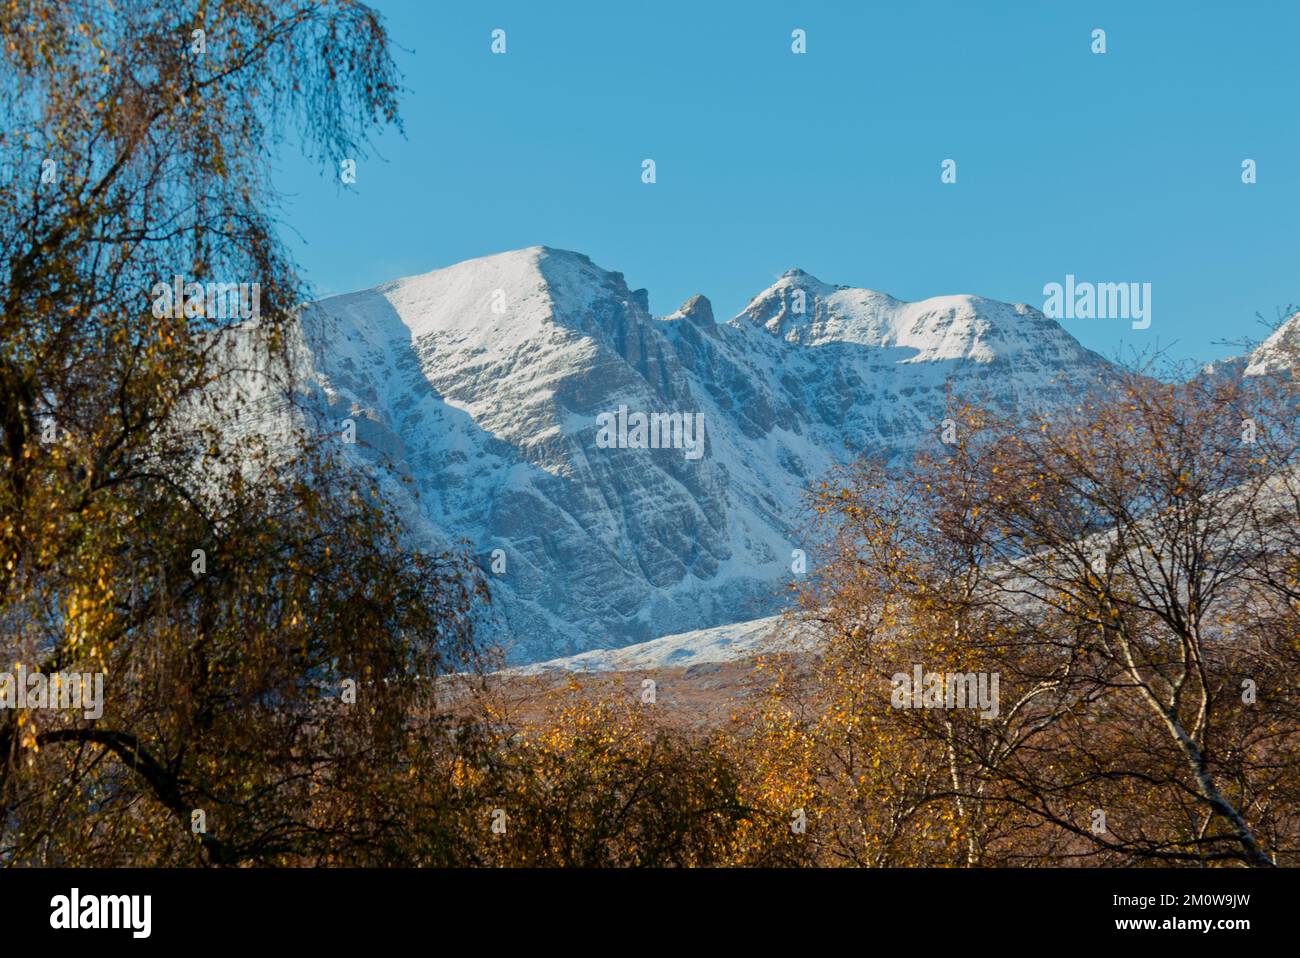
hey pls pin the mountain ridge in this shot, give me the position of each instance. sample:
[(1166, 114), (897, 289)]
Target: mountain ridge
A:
[(482, 383)]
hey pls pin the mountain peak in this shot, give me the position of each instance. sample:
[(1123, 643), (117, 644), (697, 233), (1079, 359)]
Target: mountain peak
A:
[(697, 310), (800, 308), (1280, 352), (802, 279)]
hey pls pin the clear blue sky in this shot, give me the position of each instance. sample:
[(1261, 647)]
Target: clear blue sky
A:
[(1117, 167)]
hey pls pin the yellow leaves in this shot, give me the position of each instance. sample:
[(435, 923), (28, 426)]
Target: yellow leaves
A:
[(463, 775)]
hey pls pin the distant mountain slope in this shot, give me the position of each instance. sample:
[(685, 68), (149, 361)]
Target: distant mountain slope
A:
[(1278, 354), (722, 643), (483, 383)]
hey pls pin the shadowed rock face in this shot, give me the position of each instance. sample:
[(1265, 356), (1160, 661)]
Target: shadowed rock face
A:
[(483, 383)]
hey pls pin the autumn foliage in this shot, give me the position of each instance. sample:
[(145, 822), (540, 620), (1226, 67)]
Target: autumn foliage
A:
[(1128, 569)]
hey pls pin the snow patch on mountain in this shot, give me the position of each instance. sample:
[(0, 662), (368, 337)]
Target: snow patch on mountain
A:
[(727, 643)]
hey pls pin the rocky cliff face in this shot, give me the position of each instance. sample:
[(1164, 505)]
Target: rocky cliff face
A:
[(487, 385)]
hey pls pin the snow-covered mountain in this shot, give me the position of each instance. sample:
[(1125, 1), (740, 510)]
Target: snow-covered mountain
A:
[(1276, 355), (1279, 353), (495, 387)]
